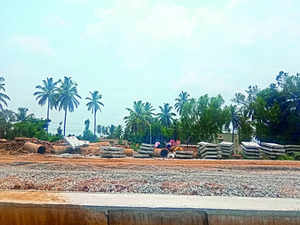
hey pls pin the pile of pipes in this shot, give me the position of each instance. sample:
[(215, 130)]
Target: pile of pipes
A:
[(145, 151), (226, 149), (208, 151), (292, 149), (271, 150), (184, 154), (250, 150), (113, 152)]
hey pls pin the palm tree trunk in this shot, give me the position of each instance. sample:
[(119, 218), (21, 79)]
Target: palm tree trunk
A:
[(48, 110), (232, 133), (95, 123), (65, 121)]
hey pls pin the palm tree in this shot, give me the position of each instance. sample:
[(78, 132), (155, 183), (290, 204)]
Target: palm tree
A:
[(99, 129), (47, 93), (3, 97), (139, 117), (22, 114), (67, 97), (166, 115), (94, 105), (180, 101)]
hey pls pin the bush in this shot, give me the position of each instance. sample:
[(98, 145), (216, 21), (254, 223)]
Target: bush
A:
[(32, 128), (285, 157), (88, 136)]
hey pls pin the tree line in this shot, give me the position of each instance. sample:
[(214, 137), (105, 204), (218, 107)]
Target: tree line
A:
[(271, 114)]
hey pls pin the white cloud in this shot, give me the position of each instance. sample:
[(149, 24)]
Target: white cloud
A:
[(34, 44), (158, 21), (136, 28), (167, 22)]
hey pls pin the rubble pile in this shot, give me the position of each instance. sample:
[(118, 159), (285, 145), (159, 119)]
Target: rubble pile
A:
[(16, 146)]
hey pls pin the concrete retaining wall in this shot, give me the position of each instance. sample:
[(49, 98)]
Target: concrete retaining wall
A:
[(38, 214)]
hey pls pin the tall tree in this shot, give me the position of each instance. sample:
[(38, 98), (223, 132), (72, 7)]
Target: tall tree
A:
[(94, 105), (3, 97), (234, 119), (112, 129), (180, 101), (47, 93), (139, 119), (68, 97), (203, 118), (166, 115), (22, 114), (118, 132), (99, 129)]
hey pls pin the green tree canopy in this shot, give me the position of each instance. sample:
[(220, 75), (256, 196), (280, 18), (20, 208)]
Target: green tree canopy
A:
[(94, 105), (166, 116), (68, 97), (47, 93), (3, 97), (203, 118), (180, 101)]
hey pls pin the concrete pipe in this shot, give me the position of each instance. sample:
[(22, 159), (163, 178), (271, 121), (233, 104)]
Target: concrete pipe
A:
[(35, 148)]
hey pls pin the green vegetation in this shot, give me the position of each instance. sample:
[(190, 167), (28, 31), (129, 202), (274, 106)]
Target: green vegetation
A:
[(271, 115), (94, 105), (3, 97), (47, 93), (67, 97), (87, 133), (20, 125)]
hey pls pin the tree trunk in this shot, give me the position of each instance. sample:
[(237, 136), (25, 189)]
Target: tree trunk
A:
[(65, 121), (48, 110), (95, 123), (232, 133)]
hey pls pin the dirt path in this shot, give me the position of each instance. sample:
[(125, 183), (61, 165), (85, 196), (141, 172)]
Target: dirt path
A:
[(127, 162)]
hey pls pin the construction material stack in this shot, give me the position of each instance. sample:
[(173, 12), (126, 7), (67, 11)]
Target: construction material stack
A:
[(250, 150), (146, 151), (112, 152), (189, 148), (184, 155), (226, 149), (272, 150), (75, 143), (208, 151), (292, 149)]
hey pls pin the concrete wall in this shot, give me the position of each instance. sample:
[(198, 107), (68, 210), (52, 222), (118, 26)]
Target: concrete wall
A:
[(25, 214)]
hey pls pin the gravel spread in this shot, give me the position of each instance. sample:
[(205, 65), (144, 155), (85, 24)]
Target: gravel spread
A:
[(274, 183)]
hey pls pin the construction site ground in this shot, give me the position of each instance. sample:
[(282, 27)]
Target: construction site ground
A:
[(244, 178)]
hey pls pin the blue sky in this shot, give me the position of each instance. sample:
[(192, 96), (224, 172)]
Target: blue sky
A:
[(144, 49)]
